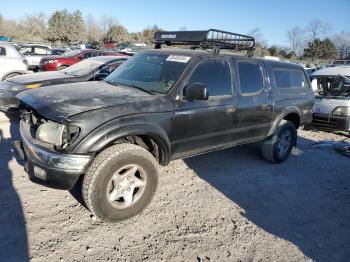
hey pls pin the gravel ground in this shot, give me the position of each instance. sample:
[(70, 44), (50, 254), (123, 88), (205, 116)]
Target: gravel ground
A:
[(224, 206)]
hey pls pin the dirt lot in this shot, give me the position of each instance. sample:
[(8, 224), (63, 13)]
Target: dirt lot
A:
[(225, 206)]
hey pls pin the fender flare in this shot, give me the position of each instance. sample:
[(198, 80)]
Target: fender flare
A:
[(106, 135), (286, 111)]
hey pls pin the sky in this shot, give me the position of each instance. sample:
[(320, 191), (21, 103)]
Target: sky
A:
[(273, 17)]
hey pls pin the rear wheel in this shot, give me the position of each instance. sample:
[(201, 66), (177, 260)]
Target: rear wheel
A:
[(62, 67), (121, 182), (11, 75), (277, 148)]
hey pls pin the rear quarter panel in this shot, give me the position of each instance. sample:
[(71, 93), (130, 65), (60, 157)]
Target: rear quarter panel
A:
[(291, 100)]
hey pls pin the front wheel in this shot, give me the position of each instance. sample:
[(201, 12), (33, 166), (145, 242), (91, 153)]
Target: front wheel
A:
[(277, 148), (120, 182)]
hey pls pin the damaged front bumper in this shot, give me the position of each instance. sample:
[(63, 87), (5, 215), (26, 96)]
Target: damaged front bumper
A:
[(330, 122), (46, 166)]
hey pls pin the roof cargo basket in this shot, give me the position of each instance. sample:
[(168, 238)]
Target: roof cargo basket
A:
[(212, 38)]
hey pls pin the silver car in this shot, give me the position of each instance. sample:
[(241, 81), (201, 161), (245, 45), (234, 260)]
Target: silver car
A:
[(33, 54)]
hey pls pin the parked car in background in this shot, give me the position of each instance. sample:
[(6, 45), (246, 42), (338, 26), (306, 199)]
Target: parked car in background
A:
[(309, 71), (332, 100), (93, 45), (77, 45), (341, 62), (92, 69), (53, 63), (12, 63), (33, 54), (58, 51)]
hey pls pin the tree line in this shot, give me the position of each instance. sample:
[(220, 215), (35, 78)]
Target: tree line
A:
[(314, 42), (67, 27)]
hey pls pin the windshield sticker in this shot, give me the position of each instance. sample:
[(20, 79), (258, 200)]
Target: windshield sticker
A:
[(178, 58)]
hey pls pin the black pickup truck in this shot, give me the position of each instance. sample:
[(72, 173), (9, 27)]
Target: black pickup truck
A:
[(159, 105)]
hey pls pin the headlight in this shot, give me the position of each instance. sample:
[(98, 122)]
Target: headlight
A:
[(341, 111), (56, 134)]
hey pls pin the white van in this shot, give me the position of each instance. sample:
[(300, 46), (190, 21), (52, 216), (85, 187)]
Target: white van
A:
[(332, 98)]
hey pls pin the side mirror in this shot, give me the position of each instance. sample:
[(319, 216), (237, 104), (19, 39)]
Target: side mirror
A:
[(196, 91), (80, 57)]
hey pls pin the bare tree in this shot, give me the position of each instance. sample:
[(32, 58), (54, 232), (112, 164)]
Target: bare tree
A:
[(318, 29), (296, 39), (32, 27), (94, 31), (256, 33), (107, 22), (148, 33), (342, 43), (8, 27)]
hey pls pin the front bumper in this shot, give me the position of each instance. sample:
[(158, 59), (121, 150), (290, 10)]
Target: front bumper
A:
[(330, 122), (46, 166)]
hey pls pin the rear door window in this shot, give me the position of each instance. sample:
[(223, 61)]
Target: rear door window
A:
[(282, 78), (26, 50), (2, 51), (250, 77), (288, 78), (216, 75), (88, 54), (298, 78)]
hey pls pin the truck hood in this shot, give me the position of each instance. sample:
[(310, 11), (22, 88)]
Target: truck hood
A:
[(59, 102)]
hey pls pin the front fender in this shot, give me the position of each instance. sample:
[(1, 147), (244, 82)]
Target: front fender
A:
[(108, 133)]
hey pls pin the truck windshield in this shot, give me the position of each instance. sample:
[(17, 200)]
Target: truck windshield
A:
[(153, 73)]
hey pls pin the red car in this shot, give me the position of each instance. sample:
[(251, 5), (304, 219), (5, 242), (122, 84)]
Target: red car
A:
[(53, 63)]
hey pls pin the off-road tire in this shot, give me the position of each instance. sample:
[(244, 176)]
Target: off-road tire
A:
[(95, 181), (269, 147), (61, 67)]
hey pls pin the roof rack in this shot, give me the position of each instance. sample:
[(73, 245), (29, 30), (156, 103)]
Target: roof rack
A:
[(212, 38)]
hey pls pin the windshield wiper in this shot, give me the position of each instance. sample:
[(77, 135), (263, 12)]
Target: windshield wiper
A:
[(155, 91), (110, 82), (139, 88)]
